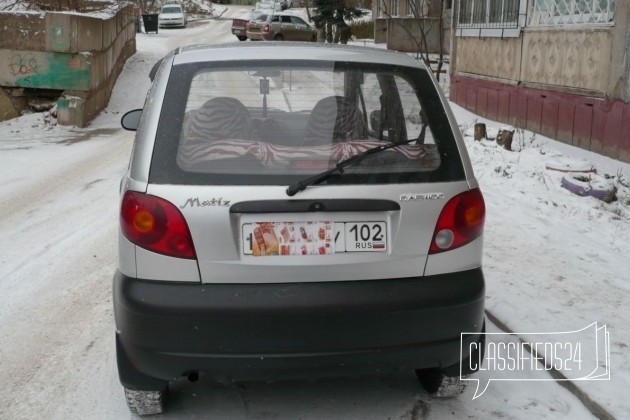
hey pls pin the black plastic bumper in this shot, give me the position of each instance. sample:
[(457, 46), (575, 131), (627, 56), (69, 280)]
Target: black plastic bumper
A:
[(273, 331)]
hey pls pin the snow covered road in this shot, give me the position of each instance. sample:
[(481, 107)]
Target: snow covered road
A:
[(553, 262)]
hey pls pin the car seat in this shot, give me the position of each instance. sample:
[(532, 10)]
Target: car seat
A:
[(334, 119), (220, 118)]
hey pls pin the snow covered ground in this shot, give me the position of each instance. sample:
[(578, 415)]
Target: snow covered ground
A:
[(553, 262)]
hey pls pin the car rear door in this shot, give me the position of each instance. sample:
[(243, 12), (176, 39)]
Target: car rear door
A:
[(258, 235), (252, 232)]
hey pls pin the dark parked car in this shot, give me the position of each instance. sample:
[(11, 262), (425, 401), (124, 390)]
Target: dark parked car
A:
[(292, 210), (280, 27)]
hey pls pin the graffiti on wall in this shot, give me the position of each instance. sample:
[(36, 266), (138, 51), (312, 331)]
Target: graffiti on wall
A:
[(44, 70), (23, 64)]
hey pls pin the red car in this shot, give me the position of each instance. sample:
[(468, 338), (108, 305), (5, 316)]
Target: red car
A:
[(239, 26)]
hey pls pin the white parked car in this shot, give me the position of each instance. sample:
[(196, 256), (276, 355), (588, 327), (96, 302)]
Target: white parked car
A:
[(296, 210), (172, 15), (268, 6)]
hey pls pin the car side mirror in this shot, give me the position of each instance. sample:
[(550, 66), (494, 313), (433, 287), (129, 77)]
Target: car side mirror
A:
[(131, 120)]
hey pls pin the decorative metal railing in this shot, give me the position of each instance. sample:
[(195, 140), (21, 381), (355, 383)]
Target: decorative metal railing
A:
[(567, 12)]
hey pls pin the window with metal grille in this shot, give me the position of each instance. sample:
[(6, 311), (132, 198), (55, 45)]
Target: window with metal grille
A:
[(494, 14), (567, 12)]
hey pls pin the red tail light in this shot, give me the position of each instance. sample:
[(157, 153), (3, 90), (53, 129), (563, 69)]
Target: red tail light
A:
[(460, 222), (266, 28), (155, 224)]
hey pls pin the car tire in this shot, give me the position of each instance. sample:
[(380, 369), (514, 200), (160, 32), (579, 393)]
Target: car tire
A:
[(145, 403), (446, 382), (570, 165), (589, 184), (436, 383), (278, 38), (242, 38)]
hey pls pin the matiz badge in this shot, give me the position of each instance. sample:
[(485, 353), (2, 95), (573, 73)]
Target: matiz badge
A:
[(422, 196)]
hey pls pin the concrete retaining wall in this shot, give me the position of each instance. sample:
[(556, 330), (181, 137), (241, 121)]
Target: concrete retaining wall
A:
[(79, 55)]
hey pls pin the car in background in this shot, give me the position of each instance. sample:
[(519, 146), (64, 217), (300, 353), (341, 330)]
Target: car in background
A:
[(172, 15), (280, 27), (296, 210), (269, 6), (239, 25)]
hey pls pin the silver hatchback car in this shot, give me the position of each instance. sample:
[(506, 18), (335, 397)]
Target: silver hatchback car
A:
[(296, 210)]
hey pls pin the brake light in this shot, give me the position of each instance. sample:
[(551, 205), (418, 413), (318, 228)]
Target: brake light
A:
[(266, 28), (461, 221), (156, 225)]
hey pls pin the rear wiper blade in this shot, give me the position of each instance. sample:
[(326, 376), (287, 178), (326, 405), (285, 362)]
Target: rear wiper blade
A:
[(339, 167)]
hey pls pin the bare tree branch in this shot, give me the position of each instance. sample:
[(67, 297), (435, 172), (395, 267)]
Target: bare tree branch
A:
[(420, 10)]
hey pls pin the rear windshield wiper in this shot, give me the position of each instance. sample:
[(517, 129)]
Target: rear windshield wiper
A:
[(339, 167)]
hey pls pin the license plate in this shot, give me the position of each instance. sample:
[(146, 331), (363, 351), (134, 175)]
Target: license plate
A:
[(365, 236), (313, 238)]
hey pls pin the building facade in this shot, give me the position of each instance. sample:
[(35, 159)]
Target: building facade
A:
[(560, 68), (403, 24)]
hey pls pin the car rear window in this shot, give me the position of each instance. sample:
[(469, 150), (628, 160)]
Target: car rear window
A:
[(271, 123)]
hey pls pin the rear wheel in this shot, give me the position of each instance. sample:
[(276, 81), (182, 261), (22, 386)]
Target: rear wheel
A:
[(278, 38), (446, 382), (242, 38), (145, 403), (435, 382)]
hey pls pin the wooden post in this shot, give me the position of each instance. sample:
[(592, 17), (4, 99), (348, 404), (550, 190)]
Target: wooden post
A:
[(480, 131), (504, 138)]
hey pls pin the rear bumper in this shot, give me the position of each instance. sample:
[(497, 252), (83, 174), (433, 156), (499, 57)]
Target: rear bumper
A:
[(256, 36), (273, 331)]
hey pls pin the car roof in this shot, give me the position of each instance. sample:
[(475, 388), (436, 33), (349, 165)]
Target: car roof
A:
[(288, 13), (292, 51), (271, 13)]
